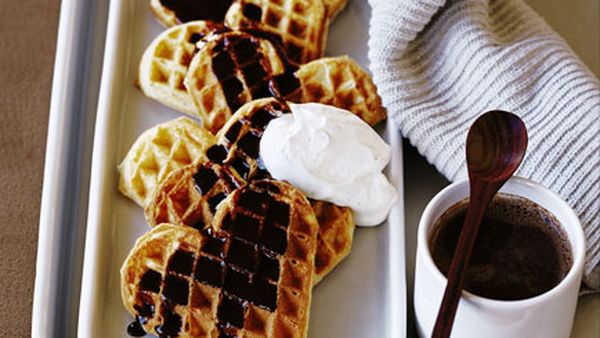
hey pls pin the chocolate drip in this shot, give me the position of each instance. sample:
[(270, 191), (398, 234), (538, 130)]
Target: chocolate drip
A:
[(241, 259), (144, 311), (278, 213), (242, 254), (214, 246), (268, 267), (243, 140), (194, 38), (171, 325), (252, 12), (231, 312), (181, 262), (176, 289), (239, 51), (217, 153), (249, 144), (254, 201), (135, 329), (274, 239), (245, 227), (241, 167), (205, 178), (191, 10), (284, 85), (233, 132), (210, 271), (261, 118), (150, 281), (199, 225)]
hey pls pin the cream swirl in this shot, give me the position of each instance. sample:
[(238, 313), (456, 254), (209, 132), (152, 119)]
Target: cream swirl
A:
[(332, 155)]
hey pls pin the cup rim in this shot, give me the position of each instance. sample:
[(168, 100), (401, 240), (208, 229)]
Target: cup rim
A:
[(577, 240)]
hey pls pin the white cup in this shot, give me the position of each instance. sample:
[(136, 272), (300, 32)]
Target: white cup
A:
[(547, 315)]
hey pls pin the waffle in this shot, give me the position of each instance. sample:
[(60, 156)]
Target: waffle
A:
[(157, 152), (230, 69), (228, 281), (341, 82), (165, 63), (334, 240), (186, 199), (301, 25), (190, 195), (175, 12), (233, 68), (242, 132), (241, 137)]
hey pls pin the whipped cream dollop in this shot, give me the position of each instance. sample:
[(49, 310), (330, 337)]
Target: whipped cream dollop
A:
[(331, 155)]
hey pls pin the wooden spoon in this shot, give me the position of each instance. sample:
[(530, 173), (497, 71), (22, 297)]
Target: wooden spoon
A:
[(496, 145)]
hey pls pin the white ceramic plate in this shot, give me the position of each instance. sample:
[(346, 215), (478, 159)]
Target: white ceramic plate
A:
[(365, 296)]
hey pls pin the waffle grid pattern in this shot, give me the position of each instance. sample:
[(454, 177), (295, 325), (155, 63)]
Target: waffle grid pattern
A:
[(230, 69), (301, 24), (159, 151), (275, 209), (190, 196), (334, 241), (228, 280), (340, 82), (241, 135), (165, 64), (180, 200)]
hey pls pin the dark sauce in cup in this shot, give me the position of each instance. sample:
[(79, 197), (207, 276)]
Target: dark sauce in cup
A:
[(521, 251)]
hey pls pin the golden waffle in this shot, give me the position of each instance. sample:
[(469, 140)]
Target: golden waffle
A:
[(157, 152), (248, 275), (165, 63), (175, 12), (241, 138), (233, 68), (241, 135), (334, 240), (301, 25), (230, 69), (190, 195), (341, 82)]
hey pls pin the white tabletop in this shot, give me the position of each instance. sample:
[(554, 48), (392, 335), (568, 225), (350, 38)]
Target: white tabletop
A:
[(578, 22)]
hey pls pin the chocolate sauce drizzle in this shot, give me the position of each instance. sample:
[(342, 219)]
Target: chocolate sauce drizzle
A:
[(243, 140), (135, 329), (191, 10), (242, 260), (239, 51)]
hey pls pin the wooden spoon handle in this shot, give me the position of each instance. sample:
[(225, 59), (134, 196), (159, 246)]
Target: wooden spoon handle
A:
[(480, 198)]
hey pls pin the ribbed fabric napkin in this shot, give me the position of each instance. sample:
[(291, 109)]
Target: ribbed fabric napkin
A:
[(440, 64)]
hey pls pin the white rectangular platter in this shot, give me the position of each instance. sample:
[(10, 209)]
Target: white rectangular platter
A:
[(365, 296)]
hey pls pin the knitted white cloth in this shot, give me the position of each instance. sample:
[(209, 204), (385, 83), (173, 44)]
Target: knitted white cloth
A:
[(439, 64)]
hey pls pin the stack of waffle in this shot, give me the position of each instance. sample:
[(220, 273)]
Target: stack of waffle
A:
[(208, 70), (233, 252)]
